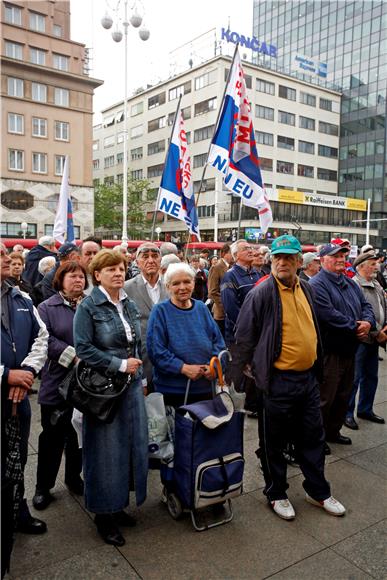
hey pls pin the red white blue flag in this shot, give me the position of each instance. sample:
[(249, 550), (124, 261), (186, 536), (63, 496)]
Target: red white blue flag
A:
[(233, 151), (176, 196), (64, 225)]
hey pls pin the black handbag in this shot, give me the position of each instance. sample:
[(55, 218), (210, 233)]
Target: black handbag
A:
[(92, 392)]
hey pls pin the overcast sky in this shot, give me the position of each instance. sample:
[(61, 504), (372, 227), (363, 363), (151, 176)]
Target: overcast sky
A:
[(171, 22)]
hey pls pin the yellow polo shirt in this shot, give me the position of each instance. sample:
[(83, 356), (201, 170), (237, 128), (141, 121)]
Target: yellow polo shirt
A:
[(299, 337)]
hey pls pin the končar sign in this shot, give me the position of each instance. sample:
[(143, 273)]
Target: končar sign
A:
[(249, 42)]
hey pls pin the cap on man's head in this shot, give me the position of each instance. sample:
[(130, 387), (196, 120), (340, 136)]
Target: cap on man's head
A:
[(147, 247), (370, 255), (366, 248), (341, 242), (286, 245), (308, 258), (332, 250), (66, 249)]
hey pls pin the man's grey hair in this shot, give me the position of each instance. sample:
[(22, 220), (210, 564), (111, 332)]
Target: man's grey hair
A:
[(174, 269), (46, 241), (168, 248), (46, 264), (234, 248), (264, 249), (147, 247), (169, 259)]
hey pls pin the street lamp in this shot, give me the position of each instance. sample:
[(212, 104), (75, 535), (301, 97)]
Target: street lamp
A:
[(158, 232), (107, 22), (24, 228)]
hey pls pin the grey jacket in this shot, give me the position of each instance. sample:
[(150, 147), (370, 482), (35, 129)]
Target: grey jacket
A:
[(375, 295), (136, 291)]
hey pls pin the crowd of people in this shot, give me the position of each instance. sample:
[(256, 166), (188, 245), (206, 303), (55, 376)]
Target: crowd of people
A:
[(304, 332)]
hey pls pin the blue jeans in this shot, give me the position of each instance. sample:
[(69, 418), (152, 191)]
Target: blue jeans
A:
[(366, 379)]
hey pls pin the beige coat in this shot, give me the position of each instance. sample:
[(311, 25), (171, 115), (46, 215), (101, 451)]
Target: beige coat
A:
[(214, 279)]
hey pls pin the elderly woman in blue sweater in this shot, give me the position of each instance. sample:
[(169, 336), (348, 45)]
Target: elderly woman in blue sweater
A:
[(182, 338)]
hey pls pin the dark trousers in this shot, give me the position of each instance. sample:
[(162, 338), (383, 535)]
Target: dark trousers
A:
[(220, 323), (335, 391), (292, 408), (366, 379), (53, 440)]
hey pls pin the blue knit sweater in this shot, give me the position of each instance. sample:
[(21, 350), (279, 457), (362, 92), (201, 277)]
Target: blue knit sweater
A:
[(176, 337)]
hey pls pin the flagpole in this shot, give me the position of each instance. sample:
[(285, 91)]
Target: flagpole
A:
[(216, 212), (368, 221), (239, 218), (216, 123), (166, 156)]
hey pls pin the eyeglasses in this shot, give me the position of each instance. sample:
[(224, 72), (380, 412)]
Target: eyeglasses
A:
[(246, 248)]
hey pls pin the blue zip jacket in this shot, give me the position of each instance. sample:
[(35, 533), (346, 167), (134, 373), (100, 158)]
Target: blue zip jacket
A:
[(339, 305)]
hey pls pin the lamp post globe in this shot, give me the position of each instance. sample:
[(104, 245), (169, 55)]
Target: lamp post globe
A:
[(144, 33), (107, 21)]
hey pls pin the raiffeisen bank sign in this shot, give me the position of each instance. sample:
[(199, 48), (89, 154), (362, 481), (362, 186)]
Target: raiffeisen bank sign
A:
[(249, 42)]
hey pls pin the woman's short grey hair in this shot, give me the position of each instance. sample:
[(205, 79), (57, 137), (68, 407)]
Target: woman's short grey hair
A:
[(174, 269), (46, 264), (168, 260)]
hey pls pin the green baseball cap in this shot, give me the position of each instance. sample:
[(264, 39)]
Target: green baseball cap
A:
[(286, 245)]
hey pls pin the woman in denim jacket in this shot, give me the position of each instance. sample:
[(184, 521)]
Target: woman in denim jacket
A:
[(115, 455)]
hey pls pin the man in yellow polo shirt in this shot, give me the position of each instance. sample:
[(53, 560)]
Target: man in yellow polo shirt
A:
[(277, 335)]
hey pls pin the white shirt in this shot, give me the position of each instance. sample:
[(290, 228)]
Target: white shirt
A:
[(120, 308), (153, 291)]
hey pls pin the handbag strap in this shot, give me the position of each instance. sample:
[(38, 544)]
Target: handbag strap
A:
[(90, 392)]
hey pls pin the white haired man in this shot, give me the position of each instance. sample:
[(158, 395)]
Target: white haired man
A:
[(46, 247)]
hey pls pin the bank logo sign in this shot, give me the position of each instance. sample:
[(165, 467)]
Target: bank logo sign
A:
[(249, 42), (307, 65)]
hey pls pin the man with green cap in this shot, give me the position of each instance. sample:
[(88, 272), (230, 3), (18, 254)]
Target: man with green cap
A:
[(277, 335)]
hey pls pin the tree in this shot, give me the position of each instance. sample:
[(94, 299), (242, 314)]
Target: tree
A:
[(108, 207)]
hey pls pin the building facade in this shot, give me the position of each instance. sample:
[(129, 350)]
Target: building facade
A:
[(297, 133), (350, 37), (47, 108)]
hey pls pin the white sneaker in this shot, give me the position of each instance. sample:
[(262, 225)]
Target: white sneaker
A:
[(330, 505), (283, 508)]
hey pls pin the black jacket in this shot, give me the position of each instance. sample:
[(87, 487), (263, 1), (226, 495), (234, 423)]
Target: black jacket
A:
[(259, 333), (31, 272)]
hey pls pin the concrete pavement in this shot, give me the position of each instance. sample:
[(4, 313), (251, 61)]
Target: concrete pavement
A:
[(256, 544)]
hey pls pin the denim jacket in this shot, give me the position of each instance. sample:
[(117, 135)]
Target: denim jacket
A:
[(99, 335)]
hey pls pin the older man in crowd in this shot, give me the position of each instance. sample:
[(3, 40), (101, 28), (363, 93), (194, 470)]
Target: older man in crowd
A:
[(367, 357), (277, 334), (46, 247), (146, 289), (310, 266), (345, 318), (88, 249), (215, 277), (66, 253)]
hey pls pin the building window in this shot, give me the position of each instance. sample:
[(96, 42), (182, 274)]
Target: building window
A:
[(208, 78), (137, 109), (95, 182), (285, 167), (37, 22), (305, 171), (266, 164), (286, 118), (156, 147), (15, 123), (109, 180), (57, 30), (15, 160), (326, 151), (285, 142), (120, 158), (136, 131), (37, 56), (207, 185), (326, 104), (205, 106), (61, 97), (186, 112), (39, 92), (96, 145), (326, 174), (109, 161), (17, 199), (62, 131), (49, 228), (59, 164), (306, 147), (156, 100), (14, 50), (13, 230), (199, 160), (287, 93), (328, 128), (265, 87), (109, 141), (155, 170), (158, 123), (306, 123), (39, 127), (204, 133), (95, 163), (137, 174), (13, 14), (120, 178), (183, 89), (39, 163), (15, 87), (264, 112), (60, 61), (136, 154), (264, 138), (307, 99)]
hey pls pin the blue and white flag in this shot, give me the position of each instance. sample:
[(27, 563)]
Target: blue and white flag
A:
[(176, 197), (64, 226), (233, 151)]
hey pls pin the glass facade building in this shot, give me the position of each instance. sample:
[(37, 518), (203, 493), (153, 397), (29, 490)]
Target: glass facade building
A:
[(351, 38)]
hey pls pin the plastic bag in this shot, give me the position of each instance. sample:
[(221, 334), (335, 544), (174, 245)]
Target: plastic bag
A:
[(159, 444)]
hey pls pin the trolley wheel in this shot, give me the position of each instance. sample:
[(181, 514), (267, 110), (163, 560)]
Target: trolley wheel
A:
[(174, 506)]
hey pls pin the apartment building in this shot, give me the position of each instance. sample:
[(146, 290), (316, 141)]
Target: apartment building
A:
[(297, 132), (47, 107)]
